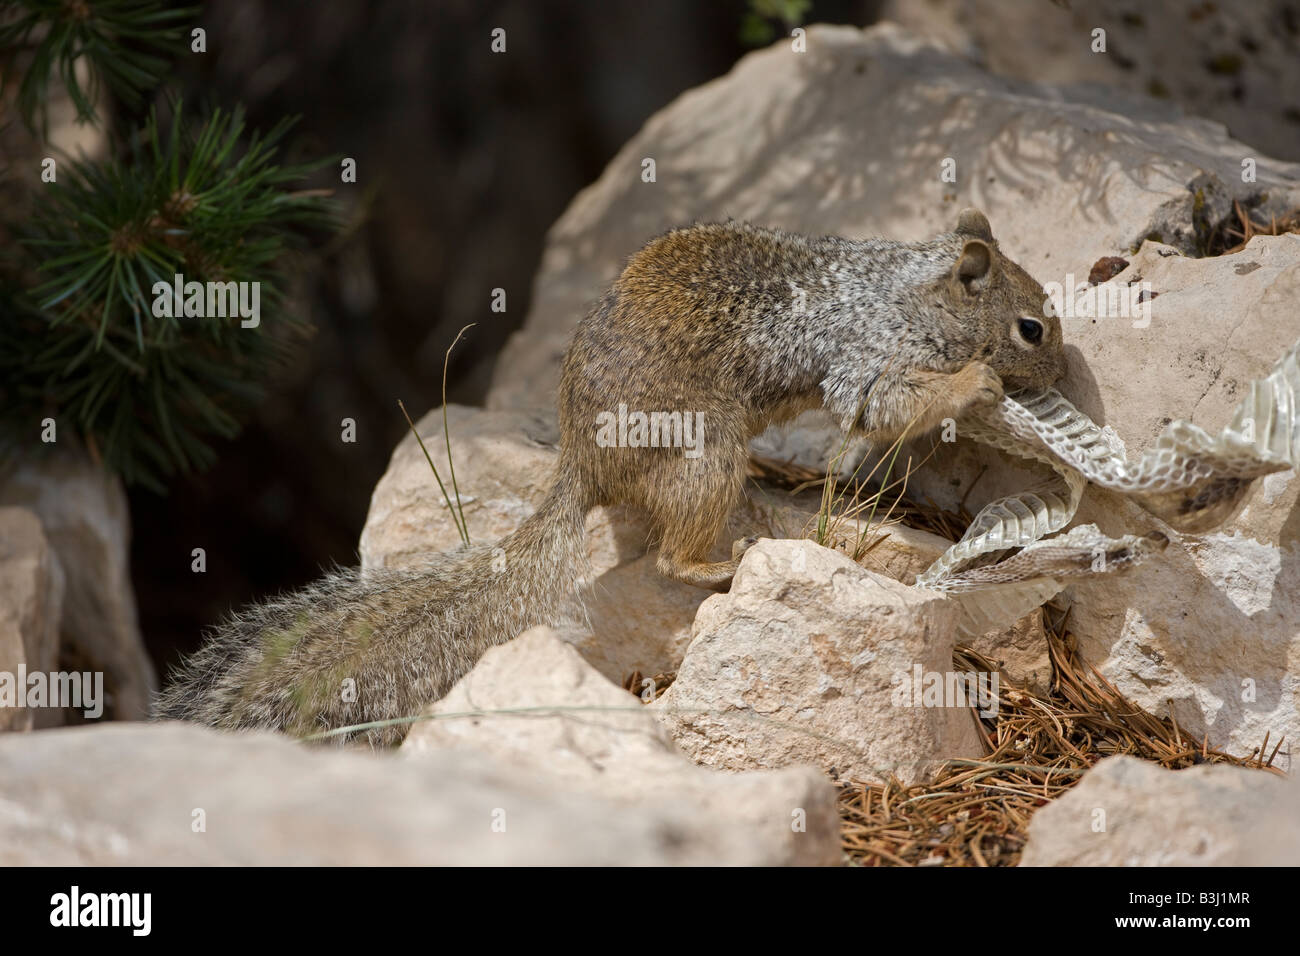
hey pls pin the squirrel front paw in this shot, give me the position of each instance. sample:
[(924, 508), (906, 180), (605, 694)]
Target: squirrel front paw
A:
[(741, 545), (978, 385)]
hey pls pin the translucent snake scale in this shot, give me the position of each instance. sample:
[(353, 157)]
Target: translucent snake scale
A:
[(1189, 479)]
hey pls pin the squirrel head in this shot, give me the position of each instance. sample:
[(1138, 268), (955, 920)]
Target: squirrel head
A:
[(999, 314)]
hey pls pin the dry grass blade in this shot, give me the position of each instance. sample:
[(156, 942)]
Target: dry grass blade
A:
[(925, 516)]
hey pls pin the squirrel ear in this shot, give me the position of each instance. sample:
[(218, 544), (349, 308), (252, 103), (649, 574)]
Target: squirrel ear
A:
[(975, 264), (972, 222)]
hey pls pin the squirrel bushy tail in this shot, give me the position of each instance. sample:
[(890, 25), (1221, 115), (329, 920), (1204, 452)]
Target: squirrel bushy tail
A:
[(353, 647)]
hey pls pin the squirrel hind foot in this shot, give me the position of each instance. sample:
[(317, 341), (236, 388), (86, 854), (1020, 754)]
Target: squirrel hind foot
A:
[(710, 575)]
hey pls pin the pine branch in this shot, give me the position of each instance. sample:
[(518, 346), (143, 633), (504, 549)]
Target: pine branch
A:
[(206, 201), (127, 46)]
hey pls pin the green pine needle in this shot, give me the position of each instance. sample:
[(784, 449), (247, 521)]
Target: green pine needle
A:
[(207, 200), (127, 46)]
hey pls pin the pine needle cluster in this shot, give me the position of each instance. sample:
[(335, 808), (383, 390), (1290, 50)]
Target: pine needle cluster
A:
[(83, 340)]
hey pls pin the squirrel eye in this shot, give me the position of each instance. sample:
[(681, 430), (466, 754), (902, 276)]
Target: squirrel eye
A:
[(1031, 330)]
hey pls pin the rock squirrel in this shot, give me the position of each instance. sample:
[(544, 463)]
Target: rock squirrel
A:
[(729, 326)]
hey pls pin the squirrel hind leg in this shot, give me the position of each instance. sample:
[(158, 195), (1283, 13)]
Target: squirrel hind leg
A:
[(690, 509)]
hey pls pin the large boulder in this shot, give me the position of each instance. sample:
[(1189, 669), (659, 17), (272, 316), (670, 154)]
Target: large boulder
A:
[(851, 137), (812, 659), (175, 794), (535, 703), (1237, 63), (1130, 812), (31, 598), (83, 510)]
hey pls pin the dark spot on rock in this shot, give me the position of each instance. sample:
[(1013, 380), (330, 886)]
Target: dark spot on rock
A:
[(1245, 268), (1151, 653), (1105, 269), (1225, 64)]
